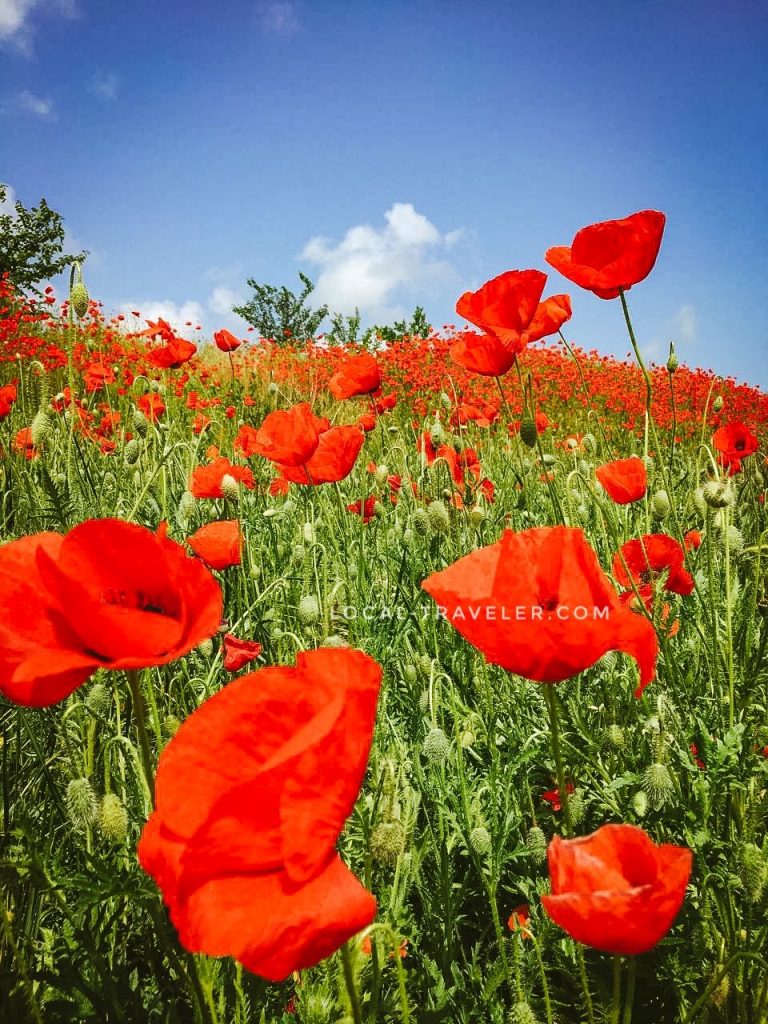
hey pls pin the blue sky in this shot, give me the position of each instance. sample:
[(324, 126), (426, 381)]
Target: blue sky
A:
[(400, 152)]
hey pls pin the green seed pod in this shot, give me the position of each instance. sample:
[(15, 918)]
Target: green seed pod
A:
[(536, 844), (99, 700), (640, 803), (41, 428), (78, 299), (753, 872), (297, 552), (420, 521), (672, 362), (187, 503), (660, 505), (480, 840), (438, 517), (230, 488), (309, 610), (113, 819), (436, 747), (140, 423), (387, 842), (81, 804), (718, 493), (658, 784), (522, 1013), (615, 737), (437, 434), (132, 452), (528, 431)]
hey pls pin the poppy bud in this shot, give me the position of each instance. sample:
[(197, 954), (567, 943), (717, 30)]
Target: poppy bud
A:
[(660, 505), (480, 840), (425, 665), (308, 533), (132, 452), (424, 702), (577, 807), (536, 844), (722, 990), (171, 726), (615, 737), (589, 444), (187, 505), (230, 488), (477, 515), (409, 673), (113, 819), (381, 474), (717, 405), (420, 521), (99, 700), (528, 431), (205, 649), (437, 434), (309, 610), (658, 784), (387, 842), (140, 423), (521, 1013), (640, 803), (298, 552), (40, 429), (78, 299), (436, 747), (81, 804), (438, 517), (754, 872), (334, 640), (718, 493), (672, 363)]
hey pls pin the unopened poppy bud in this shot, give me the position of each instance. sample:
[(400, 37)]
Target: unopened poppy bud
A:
[(298, 552), (577, 807), (672, 363), (445, 398), (409, 673), (536, 844), (230, 488), (753, 872), (78, 299), (424, 702), (113, 819), (309, 533), (522, 1013), (718, 493), (425, 665), (717, 405), (205, 649), (436, 747), (615, 736), (722, 990), (735, 539), (640, 803), (81, 804), (699, 500), (99, 700), (272, 389), (437, 434), (132, 452), (420, 521), (387, 842), (660, 505), (480, 840), (438, 517), (528, 431), (187, 505), (171, 726), (381, 474), (407, 536), (309, 610), (658, 784), (589, 444), (40, 428), (477, 515), (140, 423), (334, 640)]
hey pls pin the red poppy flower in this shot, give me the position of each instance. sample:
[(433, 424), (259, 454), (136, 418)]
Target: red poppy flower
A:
[(173, 355), (650, 556), (611, 256), (552, 796), (616, 890), (625, 480), (366, 509), (734, 442), (220, 544), (539, 604), (205, 481), (226, 341), (518, 920), (239, 653), (252, 793), (109, 594), (357, 376), (692, 540), (24, 445), (333, 460), (509, 310), (152, 405), (245, 441), (290, 437), (7, 398)]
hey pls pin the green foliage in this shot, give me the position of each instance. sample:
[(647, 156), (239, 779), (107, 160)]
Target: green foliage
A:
[(280, 315), (32, 244), (417, 327)]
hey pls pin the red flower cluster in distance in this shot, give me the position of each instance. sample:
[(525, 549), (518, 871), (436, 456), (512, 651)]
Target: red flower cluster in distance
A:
[(109, 595), (252, 793)]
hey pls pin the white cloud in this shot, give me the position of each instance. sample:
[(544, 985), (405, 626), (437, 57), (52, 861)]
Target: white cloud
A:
[(15, 18), (222, 300), (279, 18), (105, 85), (378, 269), (41, 106), (684, 323)]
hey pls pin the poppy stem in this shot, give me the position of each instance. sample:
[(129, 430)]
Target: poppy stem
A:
[(616, 999), (351, 986), (554, 734), (629, 997), (141, 727)]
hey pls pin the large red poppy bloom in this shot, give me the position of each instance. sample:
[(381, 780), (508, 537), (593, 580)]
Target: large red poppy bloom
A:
[(649, 557), (509, 310), (109, 595), (735, 441), (539, 604), (173, 355), (625, 480), (252, 793), (220, 544), (7, 398), (616, 890), (611, 256), (357, 376), (289, 437), (333, 459)]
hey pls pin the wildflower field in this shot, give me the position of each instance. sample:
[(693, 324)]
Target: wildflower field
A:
[(421, 682)]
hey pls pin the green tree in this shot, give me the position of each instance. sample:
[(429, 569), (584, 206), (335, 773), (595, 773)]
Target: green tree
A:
[(280, 315), (31, 244), (418, 327)]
